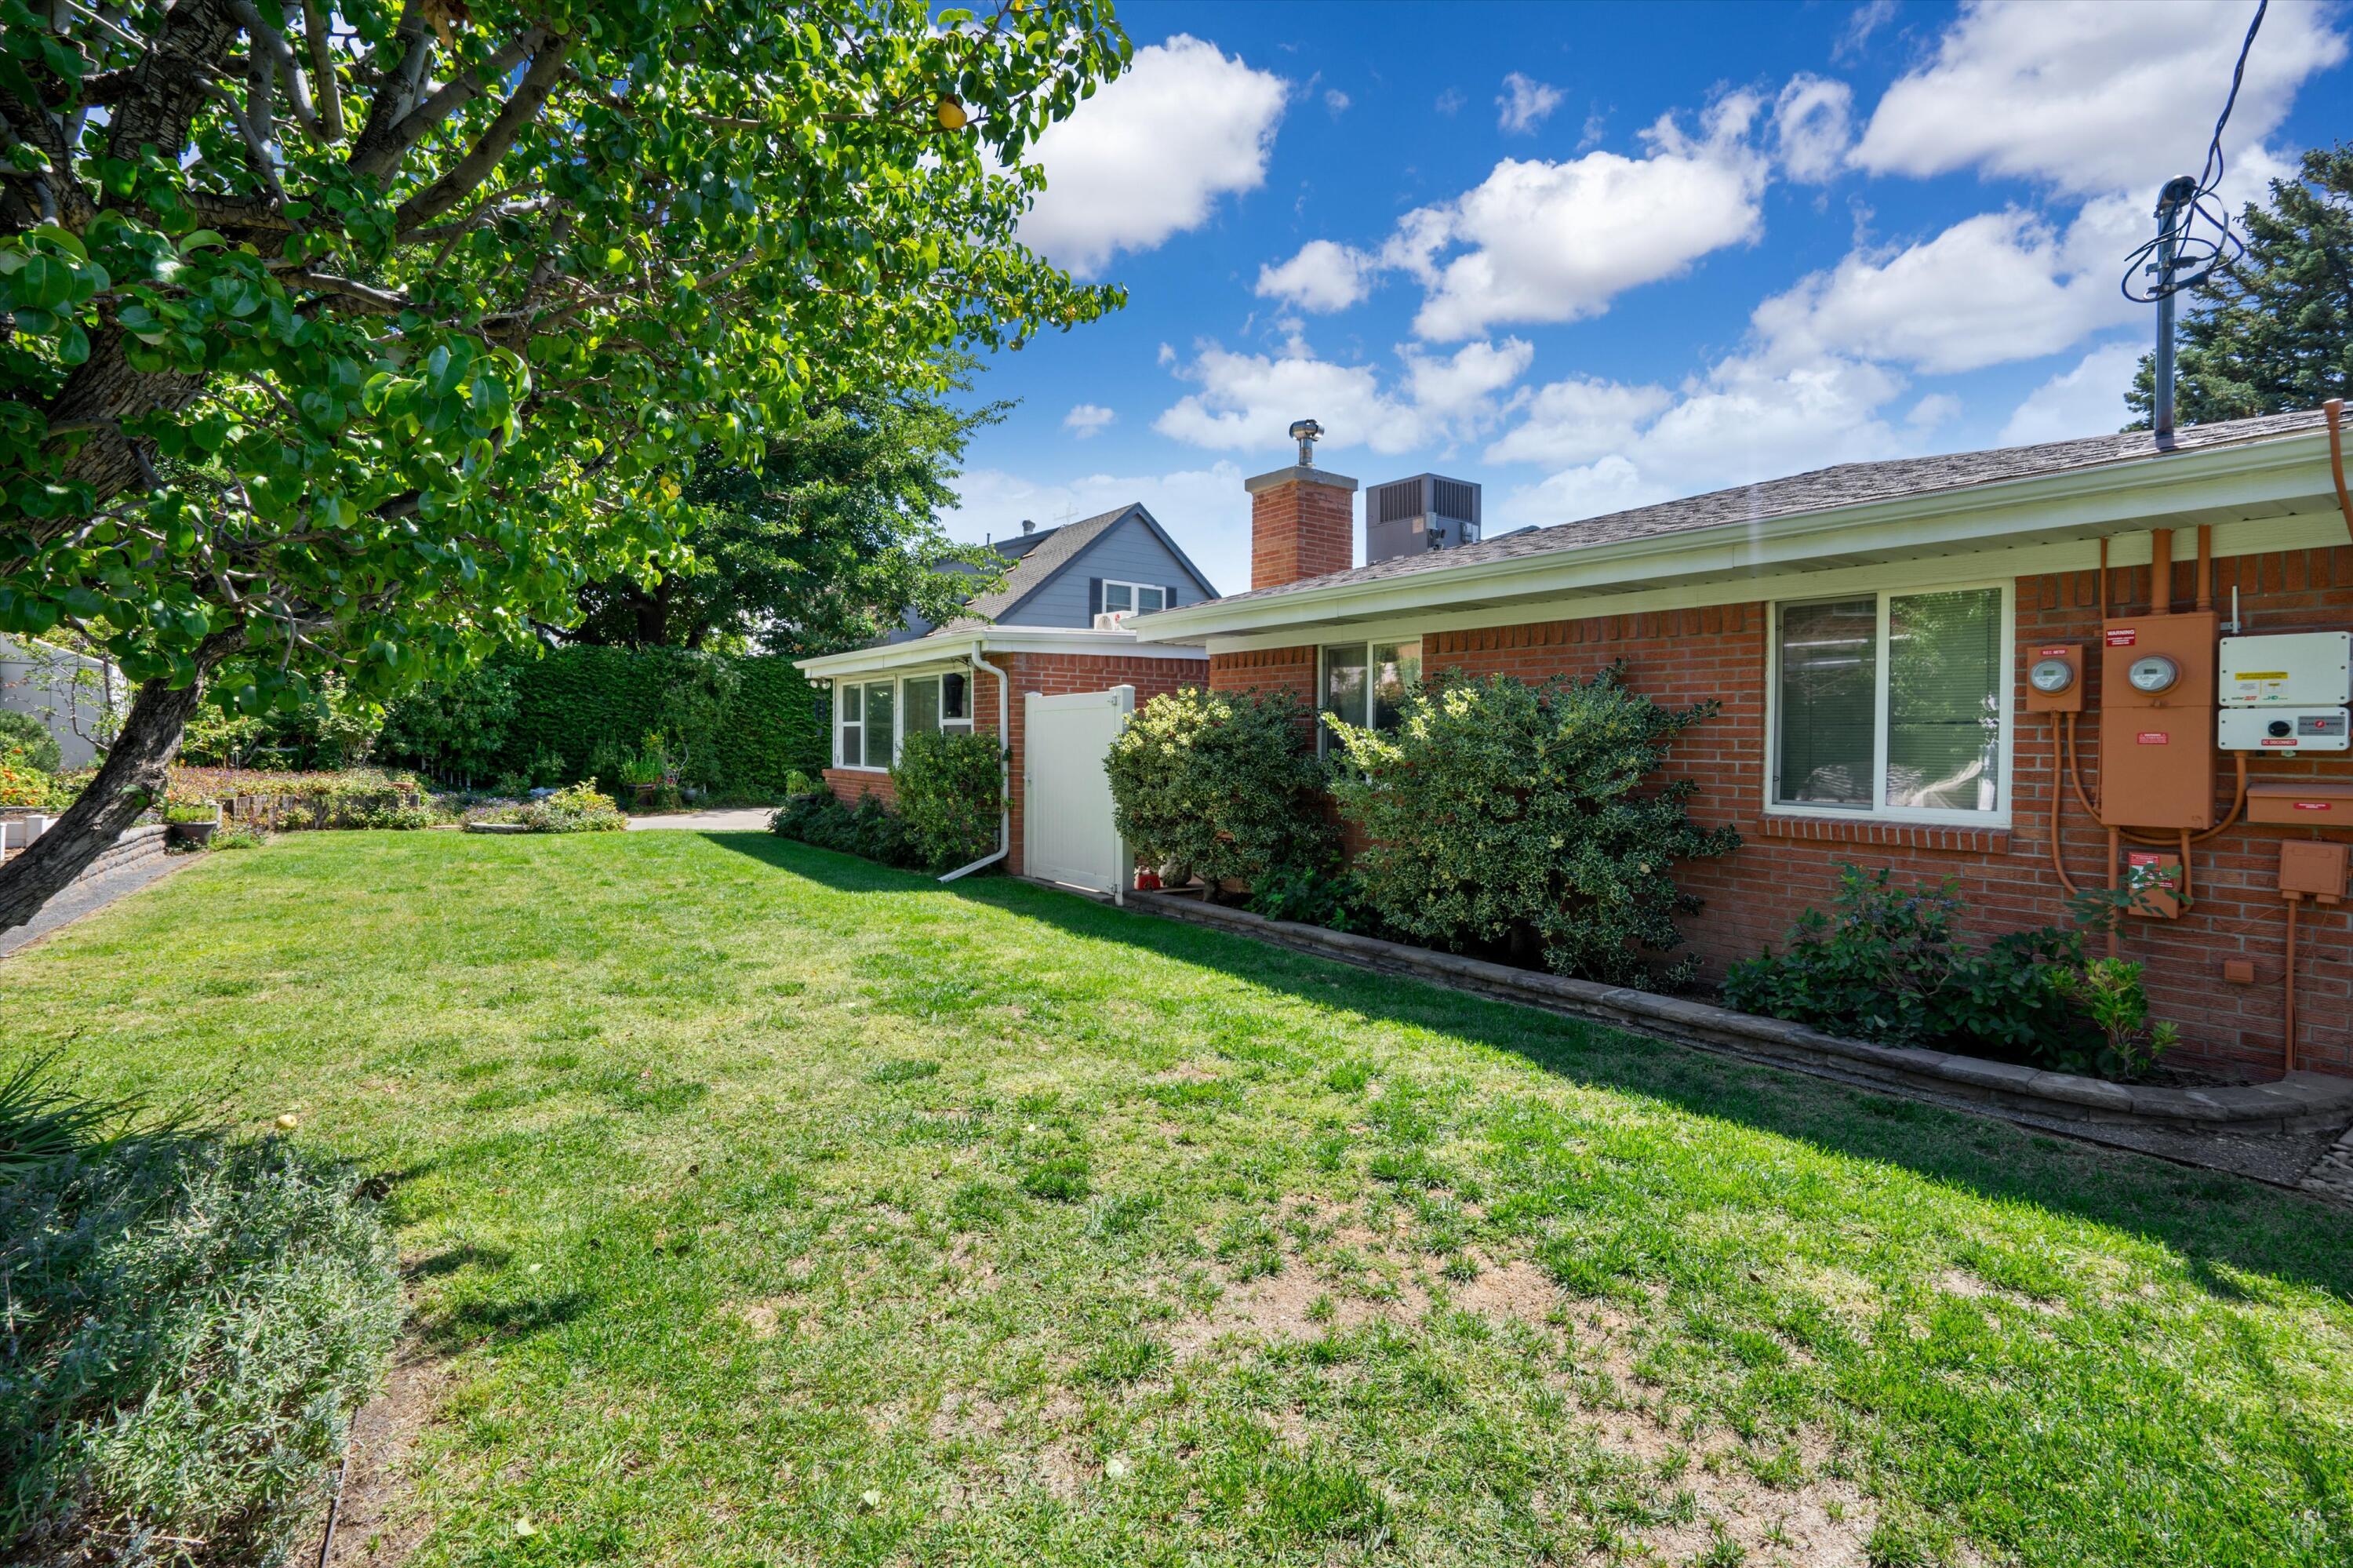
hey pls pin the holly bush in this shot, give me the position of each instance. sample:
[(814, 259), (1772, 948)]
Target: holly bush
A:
[(951, 796), (1219, 785), (1528, 818)]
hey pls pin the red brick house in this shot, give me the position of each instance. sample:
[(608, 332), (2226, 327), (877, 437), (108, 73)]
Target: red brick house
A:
[(1870, 631)]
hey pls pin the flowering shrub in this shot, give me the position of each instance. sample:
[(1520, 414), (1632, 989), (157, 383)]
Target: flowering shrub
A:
[(25, 786), (1219, 785), (1528, 818), (581, 808)]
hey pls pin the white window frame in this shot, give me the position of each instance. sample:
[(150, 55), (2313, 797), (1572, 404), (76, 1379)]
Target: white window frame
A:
[(1133, 591), (898, 684), (1879, 811), (1324, 682)]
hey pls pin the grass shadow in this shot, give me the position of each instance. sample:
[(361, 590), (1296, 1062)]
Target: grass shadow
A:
[(2219, 1222)]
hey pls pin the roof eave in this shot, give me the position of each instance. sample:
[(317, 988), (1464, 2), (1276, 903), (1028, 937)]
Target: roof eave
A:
[(2072, 503)]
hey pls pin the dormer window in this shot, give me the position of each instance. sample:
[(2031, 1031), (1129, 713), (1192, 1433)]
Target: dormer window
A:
[(1138, 599)]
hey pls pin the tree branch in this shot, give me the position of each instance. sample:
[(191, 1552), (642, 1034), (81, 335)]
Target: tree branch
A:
[(384, 155), (522, 106), (320, 39)]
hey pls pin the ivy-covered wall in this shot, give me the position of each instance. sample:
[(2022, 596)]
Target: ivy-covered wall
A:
[(745, 721)]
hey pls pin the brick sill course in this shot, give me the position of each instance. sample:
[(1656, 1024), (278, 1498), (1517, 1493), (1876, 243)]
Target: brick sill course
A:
[(1890, 835), (2300, 1102)]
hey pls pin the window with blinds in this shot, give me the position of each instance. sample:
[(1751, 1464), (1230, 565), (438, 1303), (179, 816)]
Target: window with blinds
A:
[(1890, 703)]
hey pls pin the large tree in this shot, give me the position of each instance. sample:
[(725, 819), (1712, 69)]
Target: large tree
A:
[(2274, 331), (823, 544), (360, 334)]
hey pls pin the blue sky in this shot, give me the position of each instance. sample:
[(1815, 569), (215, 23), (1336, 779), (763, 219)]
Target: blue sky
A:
[(1596, 256)]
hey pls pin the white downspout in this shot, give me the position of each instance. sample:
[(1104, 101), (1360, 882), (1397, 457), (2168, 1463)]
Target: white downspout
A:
[(1004, 767)]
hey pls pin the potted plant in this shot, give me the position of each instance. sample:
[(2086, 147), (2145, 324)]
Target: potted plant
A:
[(642, 771), (190, 821)]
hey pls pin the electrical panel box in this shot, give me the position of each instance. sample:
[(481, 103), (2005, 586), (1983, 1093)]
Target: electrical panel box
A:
[(2157, 721), (2153, 877), (2283, 729), (2290, 669), (2313, 867), (2301, 803), (2054, 678)]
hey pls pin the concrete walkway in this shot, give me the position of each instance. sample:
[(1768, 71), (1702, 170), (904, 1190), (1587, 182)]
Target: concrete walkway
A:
[(88, 897), (741, 820)]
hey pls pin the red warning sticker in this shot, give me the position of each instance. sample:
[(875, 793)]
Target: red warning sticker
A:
[(2122, 636), (2153, 737), (2313, 806), (2059, 652)]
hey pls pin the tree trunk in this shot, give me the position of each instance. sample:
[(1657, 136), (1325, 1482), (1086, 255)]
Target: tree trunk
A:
[(132, 781)]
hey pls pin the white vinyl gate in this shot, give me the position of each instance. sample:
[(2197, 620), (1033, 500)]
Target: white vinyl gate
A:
[(1067, 831)]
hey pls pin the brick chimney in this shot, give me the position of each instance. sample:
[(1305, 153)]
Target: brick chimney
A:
[(1303, 519)]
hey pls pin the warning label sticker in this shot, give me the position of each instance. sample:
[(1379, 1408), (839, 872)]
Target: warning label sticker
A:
[(2154, 737), (2313, 806), (2123, 636)]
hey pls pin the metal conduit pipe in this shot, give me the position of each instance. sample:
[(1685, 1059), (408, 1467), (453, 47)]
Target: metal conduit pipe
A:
[(1004, 767), (2336, 410), (2205, 566), (2058, 793)]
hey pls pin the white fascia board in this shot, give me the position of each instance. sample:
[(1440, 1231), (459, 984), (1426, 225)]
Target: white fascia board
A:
[(2179, 489), (1821, 579), (948, 652)]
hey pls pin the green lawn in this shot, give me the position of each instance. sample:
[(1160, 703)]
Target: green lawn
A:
[(770, 1207)]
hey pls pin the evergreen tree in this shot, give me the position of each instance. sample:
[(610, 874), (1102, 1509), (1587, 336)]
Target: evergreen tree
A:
[(2273, 332)]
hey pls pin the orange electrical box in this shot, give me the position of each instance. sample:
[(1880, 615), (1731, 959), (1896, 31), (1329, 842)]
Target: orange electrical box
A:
[(2054, 678), (2301, 803), (2157, 721), (2313, 867), (2154, 879)]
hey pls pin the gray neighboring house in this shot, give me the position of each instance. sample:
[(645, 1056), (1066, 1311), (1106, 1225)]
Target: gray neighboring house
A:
[(76, 698), (1121, 560)]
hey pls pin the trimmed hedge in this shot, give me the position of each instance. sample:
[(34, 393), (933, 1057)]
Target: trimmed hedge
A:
[(747, 722)]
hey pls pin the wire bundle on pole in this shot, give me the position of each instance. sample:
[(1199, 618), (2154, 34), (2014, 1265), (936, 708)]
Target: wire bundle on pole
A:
[(2191, 219)]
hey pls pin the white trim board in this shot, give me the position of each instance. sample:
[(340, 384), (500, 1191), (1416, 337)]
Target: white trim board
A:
[(2256, 537), (2255, 481), (951, 652)]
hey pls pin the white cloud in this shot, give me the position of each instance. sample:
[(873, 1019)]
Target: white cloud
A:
[(1087, 419), (1867, 19), (1525, 103), (2088, 400), (2093, 98), (1933, 411), (1997, 287), (1745, 420), (1555, 241), (1201, 123), (1205, 510), (1579, 421), (1451, 101), (1336, 101), (1246, 400), (1810, 127), (1324, 276)]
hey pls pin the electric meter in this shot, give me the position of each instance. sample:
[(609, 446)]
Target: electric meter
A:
[(2052, 675), (2154, 673)]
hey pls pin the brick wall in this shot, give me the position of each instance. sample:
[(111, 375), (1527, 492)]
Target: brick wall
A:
[(1068, 674), (851, 785), (1301, 528), (1684, 656)]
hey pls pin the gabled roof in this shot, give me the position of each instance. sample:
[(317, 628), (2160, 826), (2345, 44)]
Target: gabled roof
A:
[(1039, 557), (1821, 490)]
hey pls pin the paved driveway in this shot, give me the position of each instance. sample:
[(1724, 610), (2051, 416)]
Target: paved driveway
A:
[(746, 820)]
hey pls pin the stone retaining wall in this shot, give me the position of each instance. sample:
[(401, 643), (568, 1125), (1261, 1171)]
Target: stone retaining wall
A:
[(2299, 1103)]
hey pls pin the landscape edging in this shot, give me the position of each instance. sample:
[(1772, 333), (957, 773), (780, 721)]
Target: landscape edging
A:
[(2299, 1103)]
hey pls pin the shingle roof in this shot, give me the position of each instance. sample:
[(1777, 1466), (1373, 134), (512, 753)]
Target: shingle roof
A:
[(1823, 488), (1042, 554)]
